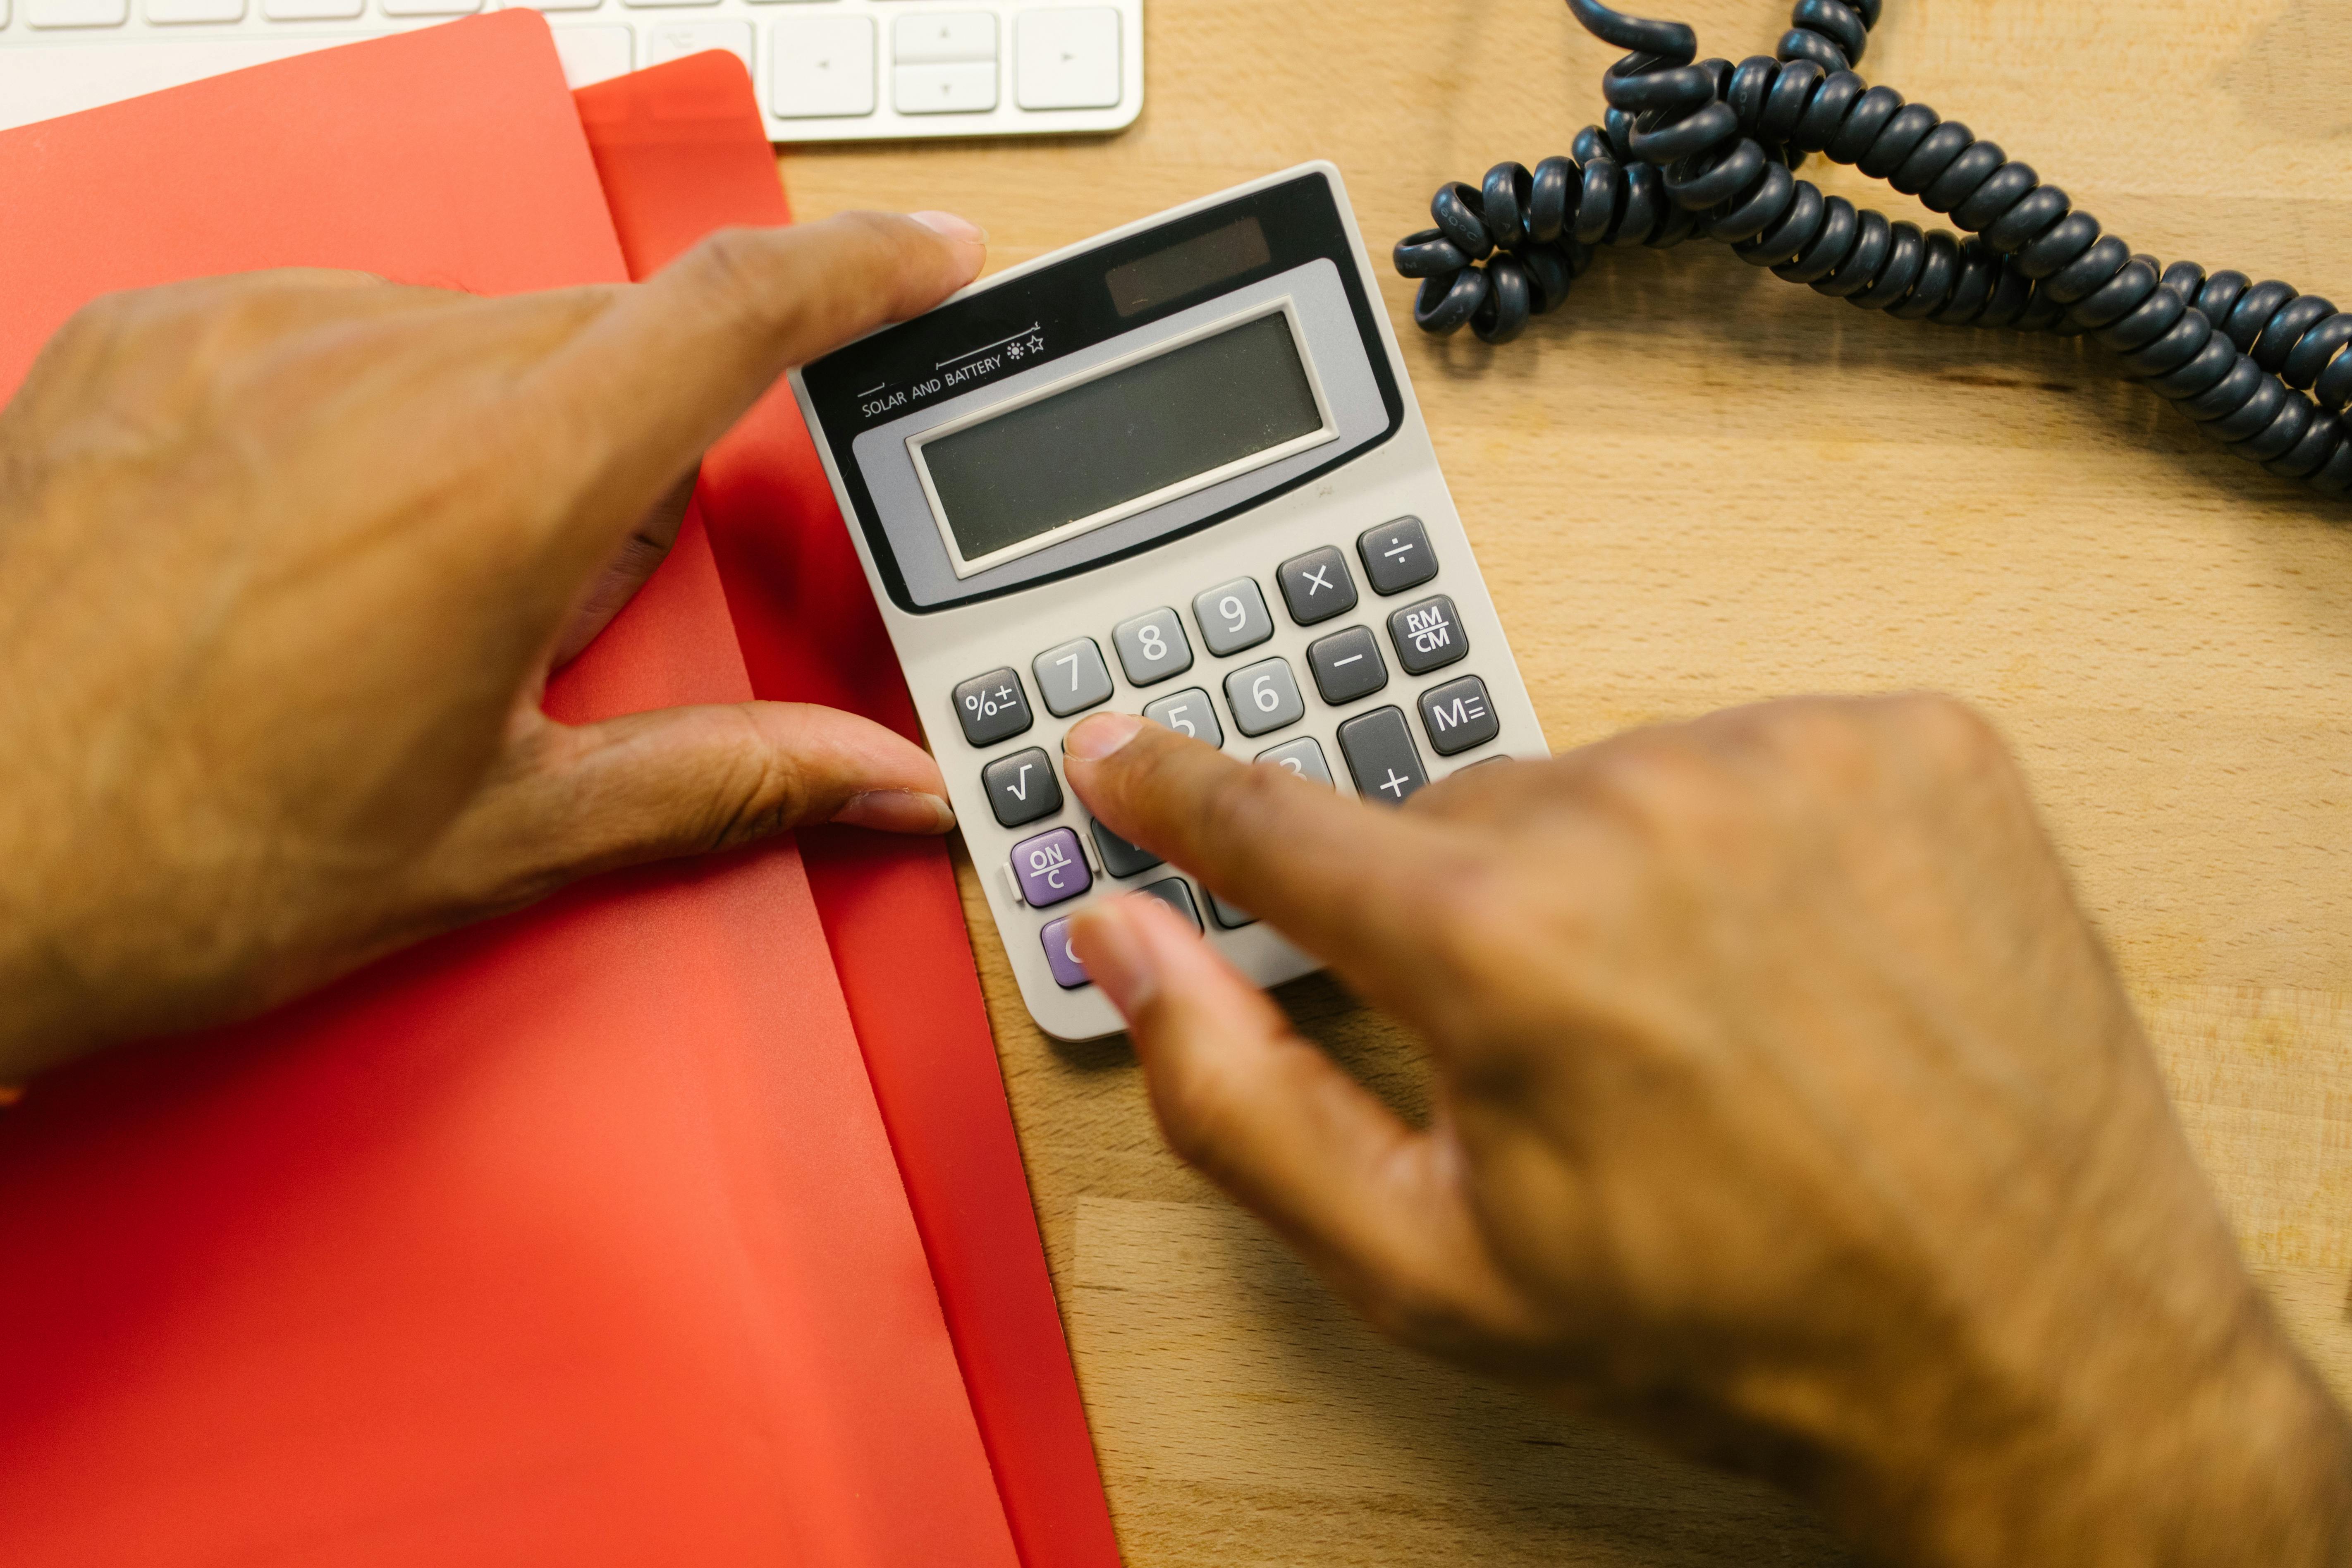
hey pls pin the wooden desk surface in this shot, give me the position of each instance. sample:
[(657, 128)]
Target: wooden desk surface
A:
[(1697, 486)]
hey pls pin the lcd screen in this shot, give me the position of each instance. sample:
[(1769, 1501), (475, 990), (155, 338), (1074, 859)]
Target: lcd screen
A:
[(1135, 431)]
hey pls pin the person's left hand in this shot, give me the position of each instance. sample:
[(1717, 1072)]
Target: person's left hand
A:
[(284, 560)]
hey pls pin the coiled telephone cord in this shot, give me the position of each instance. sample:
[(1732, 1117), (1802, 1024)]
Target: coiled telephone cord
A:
[(1692, 146)]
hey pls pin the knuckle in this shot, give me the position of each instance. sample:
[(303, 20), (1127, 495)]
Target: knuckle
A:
[(1951, 733)]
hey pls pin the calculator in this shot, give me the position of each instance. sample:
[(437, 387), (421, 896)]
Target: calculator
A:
[(1175, 471)]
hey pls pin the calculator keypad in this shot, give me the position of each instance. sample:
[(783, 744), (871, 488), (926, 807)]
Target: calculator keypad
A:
[(992, 707), (1264, 697), (1188, 712), (1347, 666), (1233, 617), (1396, 555), (1428, 635), (1380, 756), (1022, 787), (1316, 586), (1072, 677), (1153, 646)]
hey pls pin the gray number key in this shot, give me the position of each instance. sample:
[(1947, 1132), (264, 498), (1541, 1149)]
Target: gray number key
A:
[(1119, 857), (1380, 756), (1264, 697), (1316, 587), (1302, 757), (1233, 617), (1072, 676), (1396, 555), (1347, 664), (992, 707), (1188, 712), (1022, 787), (1176, 895), (1151, 647), (1458, 716), (1427, 634)]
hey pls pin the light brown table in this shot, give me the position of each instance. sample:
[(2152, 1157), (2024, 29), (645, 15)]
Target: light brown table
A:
[(1697, 486)]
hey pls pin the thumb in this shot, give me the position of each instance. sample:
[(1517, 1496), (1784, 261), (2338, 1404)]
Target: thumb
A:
[(566, 802)]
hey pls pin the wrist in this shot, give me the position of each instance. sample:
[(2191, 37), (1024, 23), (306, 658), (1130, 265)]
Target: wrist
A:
[(2245, 1457)]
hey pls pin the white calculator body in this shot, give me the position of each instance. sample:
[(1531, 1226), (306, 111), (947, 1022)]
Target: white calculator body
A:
[(1176, 471)]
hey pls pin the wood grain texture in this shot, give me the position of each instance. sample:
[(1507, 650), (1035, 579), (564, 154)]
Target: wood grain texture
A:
[(1697, 486)]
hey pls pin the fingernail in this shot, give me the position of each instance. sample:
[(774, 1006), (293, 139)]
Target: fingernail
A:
[(952, 227), (1092, 740), (896, 811), (1115, 954)]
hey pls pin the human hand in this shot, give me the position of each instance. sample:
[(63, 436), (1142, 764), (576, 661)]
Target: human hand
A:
[(284, 560), (1786, 1106)]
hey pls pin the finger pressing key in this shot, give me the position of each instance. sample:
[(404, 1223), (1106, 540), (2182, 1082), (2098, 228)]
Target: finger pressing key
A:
[(1342, 879)]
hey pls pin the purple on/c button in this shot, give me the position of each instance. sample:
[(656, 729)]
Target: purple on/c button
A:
[(1052, 867), (1068, 973)]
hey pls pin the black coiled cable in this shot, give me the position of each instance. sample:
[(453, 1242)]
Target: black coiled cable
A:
[(1690, 146)]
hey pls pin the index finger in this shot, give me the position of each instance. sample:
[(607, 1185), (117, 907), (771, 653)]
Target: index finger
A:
[(662, 372), (1344, 879)]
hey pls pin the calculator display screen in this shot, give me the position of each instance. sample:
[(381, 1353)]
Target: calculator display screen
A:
[(1091, 448)]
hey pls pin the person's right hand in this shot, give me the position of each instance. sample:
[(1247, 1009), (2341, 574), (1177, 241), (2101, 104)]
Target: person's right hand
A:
[(1786, 1106), (284, 560)]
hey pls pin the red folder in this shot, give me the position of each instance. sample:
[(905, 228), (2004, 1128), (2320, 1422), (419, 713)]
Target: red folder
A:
[(574, 1238), (682, 151)]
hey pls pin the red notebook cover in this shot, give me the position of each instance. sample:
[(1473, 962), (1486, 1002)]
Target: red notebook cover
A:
[(682, 151), (574, 1239)]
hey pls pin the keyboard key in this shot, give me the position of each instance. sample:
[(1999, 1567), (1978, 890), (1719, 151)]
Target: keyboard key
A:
[(1068, 973), (943, 36), (820, 66), (1303, 757), (1396, 555), (992, 707), (1022, 787), (1458, 716), (1151, 647), (1380, 756), (1119, 857), (431, 7), (1428, 635), (556, 5), (1176, 895), (595, 54), (1233, 617), (1072, 677), (1316, 587), (1347, 664), (1066, 57), (1226, 915), (1188, 712), (676, 40), (172, 12), (968, 88), (108, 13), (1264, 697), (1051, 869)]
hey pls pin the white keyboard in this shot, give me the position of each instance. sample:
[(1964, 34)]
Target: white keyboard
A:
[(827, 70)]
